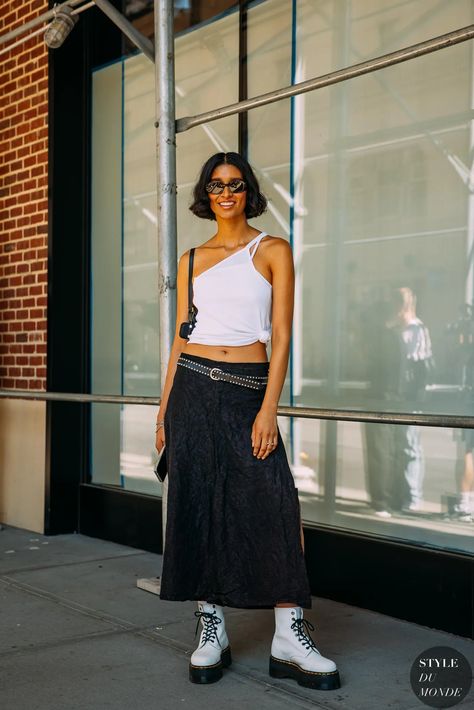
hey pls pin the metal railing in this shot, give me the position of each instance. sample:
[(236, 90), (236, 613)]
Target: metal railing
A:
[(349, 415)]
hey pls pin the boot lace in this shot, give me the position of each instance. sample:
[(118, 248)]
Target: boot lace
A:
[(211, 622), (302, 627)]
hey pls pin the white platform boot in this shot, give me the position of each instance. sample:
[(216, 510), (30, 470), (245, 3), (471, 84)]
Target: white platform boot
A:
[(213, 652), (294, 654)]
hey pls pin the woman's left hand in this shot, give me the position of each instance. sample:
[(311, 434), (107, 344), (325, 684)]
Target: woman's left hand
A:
[(264, 430)]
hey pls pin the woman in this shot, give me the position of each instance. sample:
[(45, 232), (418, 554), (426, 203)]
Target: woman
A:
[(233, 522)]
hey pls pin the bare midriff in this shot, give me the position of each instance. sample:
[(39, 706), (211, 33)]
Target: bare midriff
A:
[(254, 352)]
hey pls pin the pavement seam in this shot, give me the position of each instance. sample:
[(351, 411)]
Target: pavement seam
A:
[(72, 606), (18, 570), (92, 635)]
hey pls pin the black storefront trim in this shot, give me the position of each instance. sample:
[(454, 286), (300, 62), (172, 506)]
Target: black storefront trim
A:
[(120, 516), (243, 83), (424, 586), (94, 41)]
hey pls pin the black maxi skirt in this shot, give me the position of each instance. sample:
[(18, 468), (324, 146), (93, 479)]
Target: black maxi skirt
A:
[(233, 521)]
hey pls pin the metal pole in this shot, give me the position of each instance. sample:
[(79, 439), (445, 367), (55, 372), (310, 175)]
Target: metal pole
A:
[(344, 415), (78, 397), (166, 175), (371, 65), (166, 186)]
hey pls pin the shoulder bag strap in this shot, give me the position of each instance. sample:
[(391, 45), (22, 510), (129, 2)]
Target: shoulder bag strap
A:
[(190, 284)]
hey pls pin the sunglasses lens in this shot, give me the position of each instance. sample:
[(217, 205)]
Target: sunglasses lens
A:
[(214, 188), (237, 186)]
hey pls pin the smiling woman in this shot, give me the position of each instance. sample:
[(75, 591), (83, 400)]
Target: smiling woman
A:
[(233, 532)]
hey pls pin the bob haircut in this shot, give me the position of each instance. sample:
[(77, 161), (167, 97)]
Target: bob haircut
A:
[(256, 203)]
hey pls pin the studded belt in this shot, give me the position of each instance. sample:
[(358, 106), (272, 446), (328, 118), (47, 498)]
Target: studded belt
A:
[(255, 382)]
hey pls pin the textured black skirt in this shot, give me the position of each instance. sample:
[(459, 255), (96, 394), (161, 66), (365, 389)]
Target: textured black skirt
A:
[(233, 521)]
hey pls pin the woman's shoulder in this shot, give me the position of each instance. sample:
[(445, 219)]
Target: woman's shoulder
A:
[(276, 247), (272, 240)]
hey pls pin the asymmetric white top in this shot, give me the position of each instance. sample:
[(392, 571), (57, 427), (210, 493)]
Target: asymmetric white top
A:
[(234, 301)]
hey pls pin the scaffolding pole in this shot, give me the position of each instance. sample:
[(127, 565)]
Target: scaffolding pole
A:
[(165, 189), (166, 175)]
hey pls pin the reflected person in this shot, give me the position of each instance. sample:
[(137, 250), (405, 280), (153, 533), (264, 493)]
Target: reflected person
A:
[(397, 362), (415, 361)]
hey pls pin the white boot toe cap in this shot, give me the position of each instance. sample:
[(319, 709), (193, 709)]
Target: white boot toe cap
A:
[(205, 656), (316, 663)]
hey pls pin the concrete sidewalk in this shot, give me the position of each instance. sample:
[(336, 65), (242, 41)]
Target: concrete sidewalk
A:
[(77, 634)]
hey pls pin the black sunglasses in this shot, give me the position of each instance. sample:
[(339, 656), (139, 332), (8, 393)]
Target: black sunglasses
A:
[(216, 187)]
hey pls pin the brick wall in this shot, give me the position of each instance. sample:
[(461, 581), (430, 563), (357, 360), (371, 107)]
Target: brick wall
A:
[(23, 202)]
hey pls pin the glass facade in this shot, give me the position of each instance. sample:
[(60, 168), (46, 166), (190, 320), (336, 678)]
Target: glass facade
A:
[(370, 182)]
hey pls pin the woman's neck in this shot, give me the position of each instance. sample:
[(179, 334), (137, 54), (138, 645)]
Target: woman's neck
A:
[(232, 232)]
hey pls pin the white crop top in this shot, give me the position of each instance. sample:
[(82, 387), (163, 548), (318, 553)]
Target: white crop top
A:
[(234, 301)]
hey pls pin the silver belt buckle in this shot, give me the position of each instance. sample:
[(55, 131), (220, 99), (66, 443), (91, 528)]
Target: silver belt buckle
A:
[(214, 376)]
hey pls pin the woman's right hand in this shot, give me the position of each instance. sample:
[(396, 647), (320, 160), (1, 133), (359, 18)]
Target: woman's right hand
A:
[(160, 439)]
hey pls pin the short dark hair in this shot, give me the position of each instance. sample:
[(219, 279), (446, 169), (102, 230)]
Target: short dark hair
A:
[(256, 203)]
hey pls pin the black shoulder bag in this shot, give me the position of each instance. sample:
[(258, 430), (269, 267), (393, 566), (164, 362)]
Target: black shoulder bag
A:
[(187, 327)]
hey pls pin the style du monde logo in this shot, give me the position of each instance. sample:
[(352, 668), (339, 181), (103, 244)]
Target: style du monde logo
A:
[(441, 677)]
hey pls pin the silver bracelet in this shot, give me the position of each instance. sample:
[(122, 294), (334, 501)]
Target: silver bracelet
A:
[(159, 425)]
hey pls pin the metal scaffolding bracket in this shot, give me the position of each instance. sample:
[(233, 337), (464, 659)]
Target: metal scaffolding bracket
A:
[(350, 72), (134, 35)]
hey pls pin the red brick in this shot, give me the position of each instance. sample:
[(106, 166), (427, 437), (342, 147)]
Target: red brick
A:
[(21, 384)]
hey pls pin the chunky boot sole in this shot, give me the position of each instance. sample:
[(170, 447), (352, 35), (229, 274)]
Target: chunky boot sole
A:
[(210, 674), (309, 679)]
